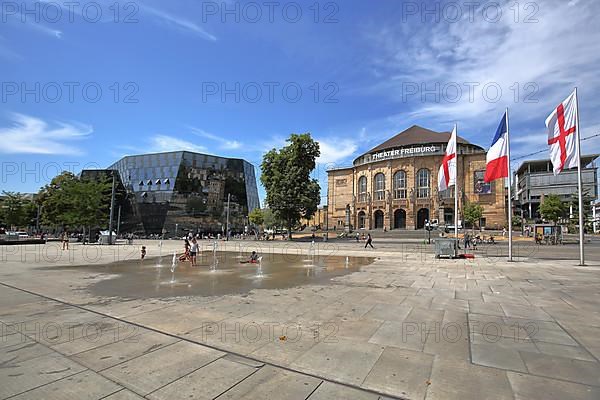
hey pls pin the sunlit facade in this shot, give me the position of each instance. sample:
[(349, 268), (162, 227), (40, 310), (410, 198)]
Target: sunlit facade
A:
[(394, 185)]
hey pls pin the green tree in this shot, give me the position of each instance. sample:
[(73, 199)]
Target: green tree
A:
[(552, 208), (291, 193), (256, 217), (69, 201), (587, 208), (16, 210), (269, 218), (472, 213)]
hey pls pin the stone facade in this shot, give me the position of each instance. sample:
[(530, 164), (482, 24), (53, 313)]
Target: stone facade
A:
[(401, 193)]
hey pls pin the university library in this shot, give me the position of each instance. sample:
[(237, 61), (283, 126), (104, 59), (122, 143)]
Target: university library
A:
[(394, 185)]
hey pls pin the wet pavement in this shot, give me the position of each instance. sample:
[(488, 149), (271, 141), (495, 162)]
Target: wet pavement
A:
[(217, 274)]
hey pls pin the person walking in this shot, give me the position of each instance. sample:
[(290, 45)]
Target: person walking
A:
[(369, 241)]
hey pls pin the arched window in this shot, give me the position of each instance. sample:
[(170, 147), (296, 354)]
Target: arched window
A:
[(362, 218), (379, 187), (400, 185), (362, 189), (423, 180)]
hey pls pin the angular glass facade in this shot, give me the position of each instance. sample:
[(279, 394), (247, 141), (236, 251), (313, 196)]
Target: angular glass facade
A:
[(179, 192)]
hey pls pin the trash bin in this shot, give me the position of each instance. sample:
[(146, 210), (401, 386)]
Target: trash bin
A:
[(446, 247)]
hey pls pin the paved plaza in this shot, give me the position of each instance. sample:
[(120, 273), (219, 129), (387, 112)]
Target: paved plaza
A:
[(406, 326)]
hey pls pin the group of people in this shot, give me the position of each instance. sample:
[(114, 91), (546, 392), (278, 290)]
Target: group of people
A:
[(191, 248), (470, 241)]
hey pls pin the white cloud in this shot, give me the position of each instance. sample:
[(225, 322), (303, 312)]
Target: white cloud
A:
[(46, 31), (225, 144), (163, 143), (178, 22), (336, 151), (30, 135), (32, 22), (556, 53)]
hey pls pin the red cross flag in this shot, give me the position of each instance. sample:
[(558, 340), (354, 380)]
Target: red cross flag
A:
[(562, 135), (447, 174)]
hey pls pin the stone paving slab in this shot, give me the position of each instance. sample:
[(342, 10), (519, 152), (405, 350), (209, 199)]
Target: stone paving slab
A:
[(452, 379), (342, 360), (154, 370), (529, 387), (22, 352), (497, 356), (126, 349), (573, 352), (578, 371), (27, 311), (205, 383), (285, 352), (408, 336), (86, 385), (123, 394), (384, 312), (22, 376), (273, 383), (332, 391), (399, 371), (98, 335)]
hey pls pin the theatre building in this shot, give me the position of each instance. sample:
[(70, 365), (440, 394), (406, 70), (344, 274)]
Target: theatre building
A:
[(394, 185)]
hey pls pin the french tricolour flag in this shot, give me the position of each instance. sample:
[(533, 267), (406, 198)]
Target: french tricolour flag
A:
[(497, 155)]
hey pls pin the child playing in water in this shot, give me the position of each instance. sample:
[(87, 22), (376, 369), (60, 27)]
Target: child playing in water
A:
[(253, 259), (143, 252)]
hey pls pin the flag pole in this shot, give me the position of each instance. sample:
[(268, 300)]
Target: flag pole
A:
[(510, 243), (456, 187), (580, 184)]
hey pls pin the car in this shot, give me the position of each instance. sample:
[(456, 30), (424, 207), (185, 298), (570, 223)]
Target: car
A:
[(22, 235), (433, 224), (450, 227)]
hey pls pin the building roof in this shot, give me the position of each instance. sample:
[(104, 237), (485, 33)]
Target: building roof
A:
[(586, 159), (416, 135)]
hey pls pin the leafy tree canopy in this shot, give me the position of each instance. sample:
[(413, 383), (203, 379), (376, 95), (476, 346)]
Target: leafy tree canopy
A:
[(256, 217), (552, 208), (16, 210), (291, 193), (472, 213), (69, 201)]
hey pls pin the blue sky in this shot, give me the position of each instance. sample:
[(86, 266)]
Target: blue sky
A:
[(378, 68)]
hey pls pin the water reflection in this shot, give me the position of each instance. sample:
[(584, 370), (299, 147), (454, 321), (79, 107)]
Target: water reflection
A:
[(219, 273)]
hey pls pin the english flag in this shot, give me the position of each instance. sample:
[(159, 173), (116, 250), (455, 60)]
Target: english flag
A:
[(562, 135), (447, 173), (497, 156)]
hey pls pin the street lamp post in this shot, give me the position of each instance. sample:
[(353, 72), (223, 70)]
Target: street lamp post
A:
[(227, 222), (119, 221), (37, 219), (112, 210)]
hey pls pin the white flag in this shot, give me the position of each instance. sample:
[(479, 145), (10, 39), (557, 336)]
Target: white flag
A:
[(447, 174), (562, 135)]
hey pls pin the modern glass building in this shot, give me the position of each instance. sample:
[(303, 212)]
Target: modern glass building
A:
[(179, 192)]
